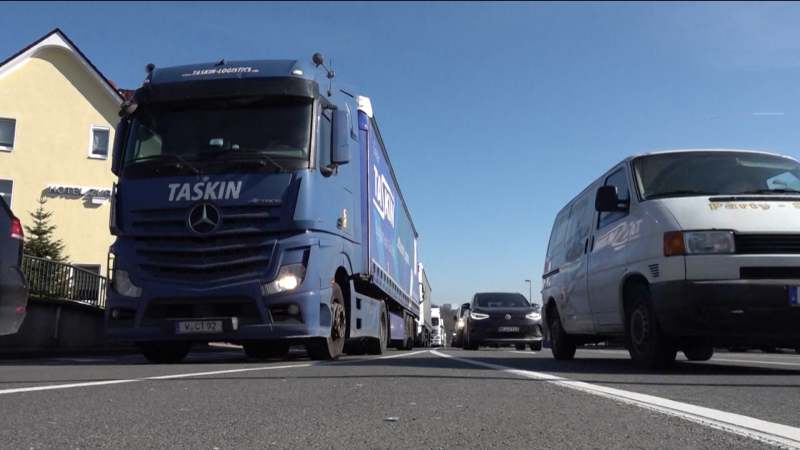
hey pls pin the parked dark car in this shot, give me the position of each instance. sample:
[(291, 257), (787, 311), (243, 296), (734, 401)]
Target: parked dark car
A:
[(499, 318), (13, 287)]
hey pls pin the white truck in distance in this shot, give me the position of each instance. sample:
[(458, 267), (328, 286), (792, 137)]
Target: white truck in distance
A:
[(424, 327), (439, 336)]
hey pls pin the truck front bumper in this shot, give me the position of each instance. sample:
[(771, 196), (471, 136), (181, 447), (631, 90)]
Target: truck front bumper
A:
[(737, 312), (256, 317)]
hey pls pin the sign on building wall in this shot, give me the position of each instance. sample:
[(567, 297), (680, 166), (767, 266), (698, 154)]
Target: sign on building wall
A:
[(98, 195)]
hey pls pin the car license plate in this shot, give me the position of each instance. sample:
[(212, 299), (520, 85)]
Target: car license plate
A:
[(199, 326), (508, 329), (793, 296)]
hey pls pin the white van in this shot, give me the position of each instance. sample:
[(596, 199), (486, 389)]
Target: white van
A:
[(678, 251)]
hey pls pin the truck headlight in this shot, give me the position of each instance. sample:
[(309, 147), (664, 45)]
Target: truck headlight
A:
[(289, 277), (123, 285), (709, 242), (534, 316), (478, 316)]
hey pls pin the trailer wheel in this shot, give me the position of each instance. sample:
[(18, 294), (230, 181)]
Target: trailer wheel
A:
[(331, 348), (165, 352), (378, 346)]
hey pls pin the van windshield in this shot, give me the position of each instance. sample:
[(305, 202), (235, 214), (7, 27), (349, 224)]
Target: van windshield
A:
[(712, 173)]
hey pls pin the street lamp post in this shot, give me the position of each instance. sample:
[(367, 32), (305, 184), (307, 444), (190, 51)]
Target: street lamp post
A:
[(530, 292)]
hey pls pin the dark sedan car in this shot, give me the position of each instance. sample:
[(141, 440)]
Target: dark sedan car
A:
[(13, 287), (498, 318)]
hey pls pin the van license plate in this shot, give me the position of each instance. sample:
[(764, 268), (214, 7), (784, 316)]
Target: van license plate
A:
[(508, 329), (200, 326), (793, 296)]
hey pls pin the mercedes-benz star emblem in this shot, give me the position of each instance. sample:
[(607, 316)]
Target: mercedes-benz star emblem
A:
[(203, 218), (508, 316)]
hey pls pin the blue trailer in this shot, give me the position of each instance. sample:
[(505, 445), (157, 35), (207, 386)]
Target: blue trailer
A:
[(256, 204)]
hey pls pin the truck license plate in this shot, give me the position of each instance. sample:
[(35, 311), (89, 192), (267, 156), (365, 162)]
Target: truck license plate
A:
[(200, 326), (508, 329), (793, 296)]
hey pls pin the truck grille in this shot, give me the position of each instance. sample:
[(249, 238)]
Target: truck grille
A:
[(768, 244), (241, 248)]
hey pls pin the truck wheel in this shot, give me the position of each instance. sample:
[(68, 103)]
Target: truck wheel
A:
[(520, 346), (562, 345), (699, 350), (647, 343), (265, 350), (378, 346), (331, 348), (536, 346), (165, 352)]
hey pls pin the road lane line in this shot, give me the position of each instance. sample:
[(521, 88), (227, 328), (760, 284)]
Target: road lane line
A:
[(404, 354), (135, 380), (753, 361), (761, 430)]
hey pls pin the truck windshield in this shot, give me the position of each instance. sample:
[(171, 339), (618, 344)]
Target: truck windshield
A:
[(212, 137), (435, 321), (502, 301), (711, 173)]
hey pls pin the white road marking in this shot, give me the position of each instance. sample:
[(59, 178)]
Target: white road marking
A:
[(761, 430), (404, 354), (135, 380), (753, 361)]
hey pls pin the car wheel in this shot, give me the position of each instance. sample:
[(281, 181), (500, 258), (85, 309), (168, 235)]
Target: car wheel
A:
[(536, 346), (165, 352), (378, 346), (699, 350), (331, 348), (562, 345), (647, 343), (520, 346)]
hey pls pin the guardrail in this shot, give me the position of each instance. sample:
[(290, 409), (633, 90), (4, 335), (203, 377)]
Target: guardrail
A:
[(63, 281)]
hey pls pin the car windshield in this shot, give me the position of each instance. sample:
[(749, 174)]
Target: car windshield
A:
[(502, 301), (711, 173), (210, 135)]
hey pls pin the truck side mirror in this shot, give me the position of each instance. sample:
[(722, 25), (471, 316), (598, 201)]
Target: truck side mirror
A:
[(607, 199), (120, 137), (340, 153)]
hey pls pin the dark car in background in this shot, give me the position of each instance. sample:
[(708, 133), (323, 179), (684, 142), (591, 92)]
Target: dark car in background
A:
[(500, 318), (460, 320), (13, 287)]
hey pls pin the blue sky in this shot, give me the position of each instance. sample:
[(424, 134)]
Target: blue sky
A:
[(494, 114)]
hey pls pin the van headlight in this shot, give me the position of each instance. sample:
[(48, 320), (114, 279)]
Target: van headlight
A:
[(709, 242), (123, 285), (289, 277), (478, 316)]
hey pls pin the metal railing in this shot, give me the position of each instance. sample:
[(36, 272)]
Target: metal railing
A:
[(63, 281)]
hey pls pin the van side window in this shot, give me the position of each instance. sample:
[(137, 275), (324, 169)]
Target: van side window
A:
[(577, 229), (557, 234), (620, 180)]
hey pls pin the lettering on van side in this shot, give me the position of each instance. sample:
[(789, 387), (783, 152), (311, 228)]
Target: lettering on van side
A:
[(716, 206), (217, 190), (384, 198)]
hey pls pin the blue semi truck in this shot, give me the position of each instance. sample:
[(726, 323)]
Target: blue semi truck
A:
[(256, 204)]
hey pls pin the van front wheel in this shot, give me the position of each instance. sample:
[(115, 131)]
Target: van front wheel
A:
[(562, 346), (647, 343)]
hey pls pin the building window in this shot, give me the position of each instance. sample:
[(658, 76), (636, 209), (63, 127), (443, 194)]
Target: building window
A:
[(6, 189), (8, 133), (98, 146)]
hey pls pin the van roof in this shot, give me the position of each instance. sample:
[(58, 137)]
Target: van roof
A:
[(691, 150)]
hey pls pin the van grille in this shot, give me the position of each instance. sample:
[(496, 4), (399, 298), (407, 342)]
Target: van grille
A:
[(768, 244)]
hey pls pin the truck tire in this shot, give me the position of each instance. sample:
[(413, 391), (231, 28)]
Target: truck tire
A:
[(265, 350), (165, 352), (378, 346), (330, 348), (648, 345), (698, 350), (562, 345)]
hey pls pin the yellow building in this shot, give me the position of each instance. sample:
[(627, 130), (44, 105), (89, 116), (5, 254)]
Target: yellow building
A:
[(57, 119)]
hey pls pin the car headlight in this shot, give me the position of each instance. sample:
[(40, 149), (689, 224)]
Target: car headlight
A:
[(478, 316), (709, 242), (123, 285), (289, 277), (534, 316)]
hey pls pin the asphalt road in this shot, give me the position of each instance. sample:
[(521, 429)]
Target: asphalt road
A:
[(443, 399)]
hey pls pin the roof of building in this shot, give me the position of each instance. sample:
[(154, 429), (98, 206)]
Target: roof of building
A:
[(57, 39)]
